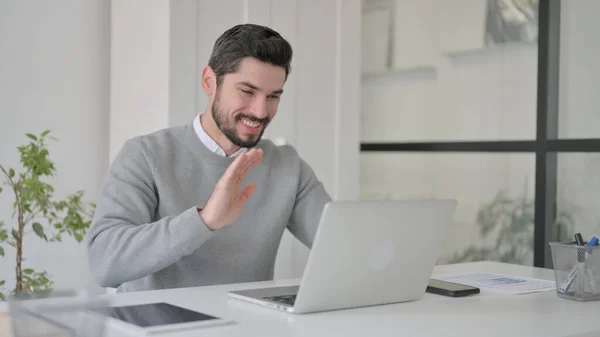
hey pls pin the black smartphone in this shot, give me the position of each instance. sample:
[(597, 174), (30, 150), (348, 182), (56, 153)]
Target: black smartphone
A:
[(450, 289)]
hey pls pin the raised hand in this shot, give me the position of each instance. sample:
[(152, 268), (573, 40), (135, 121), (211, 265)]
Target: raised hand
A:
[(226, 203)]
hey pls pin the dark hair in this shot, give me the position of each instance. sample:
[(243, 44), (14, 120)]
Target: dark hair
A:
[(249, 40)]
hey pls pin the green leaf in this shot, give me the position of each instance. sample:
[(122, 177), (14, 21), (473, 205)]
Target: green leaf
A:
[(45, 133), (39, 230), (15, 234), (33, 137), (2, 297), (1, 254), (11, 173), (2, 283), (28, 271), (57, 225), (0, 189)]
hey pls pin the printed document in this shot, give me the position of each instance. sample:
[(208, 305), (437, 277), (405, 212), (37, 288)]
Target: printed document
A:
[(504, 284)]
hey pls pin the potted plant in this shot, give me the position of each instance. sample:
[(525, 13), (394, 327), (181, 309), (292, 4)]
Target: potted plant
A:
[(36, 211)]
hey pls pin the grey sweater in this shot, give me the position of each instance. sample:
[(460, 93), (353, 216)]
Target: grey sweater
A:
[(146, 232)]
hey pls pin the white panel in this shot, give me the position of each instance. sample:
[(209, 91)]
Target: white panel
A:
[(139, 73), (182, 61), (283, 20), (347, 112), (416, 30), (214, 18), (462, 24), (315, 71), (258, 12)]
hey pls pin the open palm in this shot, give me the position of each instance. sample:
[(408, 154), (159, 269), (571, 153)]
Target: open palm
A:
[(227, 201)]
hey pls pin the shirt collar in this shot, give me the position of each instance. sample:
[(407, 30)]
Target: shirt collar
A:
[(210, 143)]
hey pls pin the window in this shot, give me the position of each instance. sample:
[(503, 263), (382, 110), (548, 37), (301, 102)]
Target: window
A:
[(494, 219), (488, 102)]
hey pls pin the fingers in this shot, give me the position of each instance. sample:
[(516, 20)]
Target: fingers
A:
[(254, 159), (237, 164), (257, 159), (251, 158), (238, 170)]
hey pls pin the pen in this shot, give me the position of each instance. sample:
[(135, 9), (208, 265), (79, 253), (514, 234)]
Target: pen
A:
[(573, 273), (581, 257), (580, 263), (580, 252), (593, 242), (588, 252)]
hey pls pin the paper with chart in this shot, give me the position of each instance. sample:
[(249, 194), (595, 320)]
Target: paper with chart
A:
[(504, 284)]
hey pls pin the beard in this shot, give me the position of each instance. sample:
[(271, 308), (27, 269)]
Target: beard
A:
[(229, 126)]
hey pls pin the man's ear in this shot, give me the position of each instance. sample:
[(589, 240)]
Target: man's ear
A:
[(209, 81)]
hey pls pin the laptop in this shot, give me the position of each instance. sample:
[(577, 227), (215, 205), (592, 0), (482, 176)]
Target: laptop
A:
[(365, 253)]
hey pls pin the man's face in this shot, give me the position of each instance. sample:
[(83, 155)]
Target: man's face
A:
[(247, 100)]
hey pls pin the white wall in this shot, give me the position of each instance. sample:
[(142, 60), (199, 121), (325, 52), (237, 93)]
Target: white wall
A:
[(139, 69), (183, 60), (54, 66), (153, 67), (100, 72)]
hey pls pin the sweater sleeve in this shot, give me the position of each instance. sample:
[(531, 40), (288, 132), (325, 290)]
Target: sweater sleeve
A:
[(124, 241), (311, 198)]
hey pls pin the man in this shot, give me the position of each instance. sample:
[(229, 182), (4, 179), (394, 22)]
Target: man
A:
[(207, 203)]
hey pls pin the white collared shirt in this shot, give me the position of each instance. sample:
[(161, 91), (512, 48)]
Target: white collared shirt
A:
[(210, 143)]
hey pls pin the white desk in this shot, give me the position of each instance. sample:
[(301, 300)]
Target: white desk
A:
[(542, 314)]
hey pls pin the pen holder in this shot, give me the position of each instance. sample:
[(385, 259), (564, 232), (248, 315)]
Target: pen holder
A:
[(577, 271)]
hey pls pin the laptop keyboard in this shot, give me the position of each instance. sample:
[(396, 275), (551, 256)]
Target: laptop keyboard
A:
[(285, 299)]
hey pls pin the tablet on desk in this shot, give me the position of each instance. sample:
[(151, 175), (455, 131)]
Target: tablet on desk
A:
[(153, 318)]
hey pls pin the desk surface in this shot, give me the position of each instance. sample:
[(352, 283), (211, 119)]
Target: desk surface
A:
[(487, 314)]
